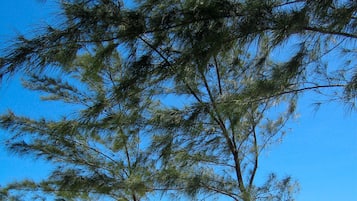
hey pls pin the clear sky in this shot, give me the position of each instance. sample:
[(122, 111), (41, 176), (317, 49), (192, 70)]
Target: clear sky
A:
[(320, 151)]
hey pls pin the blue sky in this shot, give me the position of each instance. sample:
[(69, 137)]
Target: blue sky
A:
[(320, 151)]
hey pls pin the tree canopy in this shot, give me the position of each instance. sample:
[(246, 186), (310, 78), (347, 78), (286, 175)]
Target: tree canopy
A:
[(236, 67)]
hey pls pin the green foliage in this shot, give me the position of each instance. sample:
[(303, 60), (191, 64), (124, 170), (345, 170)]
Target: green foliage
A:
[(119, 66), (98, 151)]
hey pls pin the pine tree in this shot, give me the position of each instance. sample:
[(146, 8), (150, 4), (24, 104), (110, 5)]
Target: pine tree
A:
[(217, 57)]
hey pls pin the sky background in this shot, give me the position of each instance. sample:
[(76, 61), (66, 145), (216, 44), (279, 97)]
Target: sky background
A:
[(320, 151)]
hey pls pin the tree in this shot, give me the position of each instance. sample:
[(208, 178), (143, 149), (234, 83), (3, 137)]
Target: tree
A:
[(218, 57)]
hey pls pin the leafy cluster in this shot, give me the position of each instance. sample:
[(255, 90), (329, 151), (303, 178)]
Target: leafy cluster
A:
[(179, 96)]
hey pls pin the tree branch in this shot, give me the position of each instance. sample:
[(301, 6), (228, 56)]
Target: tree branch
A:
[(191, 91), (256, 156), (229, 194), (230, 143), (218, 75), (325, 31)]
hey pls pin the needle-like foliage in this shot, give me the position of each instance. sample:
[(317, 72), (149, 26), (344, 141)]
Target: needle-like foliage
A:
[(174, 96)]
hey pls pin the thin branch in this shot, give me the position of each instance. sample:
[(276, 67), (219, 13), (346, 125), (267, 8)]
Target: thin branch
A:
[(230, 143), (232, 124), (95, 150), (170, 67), (330, 32), (256, 157), (216, 163), (218, 75), (289, 3), (218, 117), (290, 92), (155, 50), (229, 194)]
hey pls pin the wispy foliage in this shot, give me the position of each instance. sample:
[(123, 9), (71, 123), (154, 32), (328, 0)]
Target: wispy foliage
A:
[(121, 64)]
